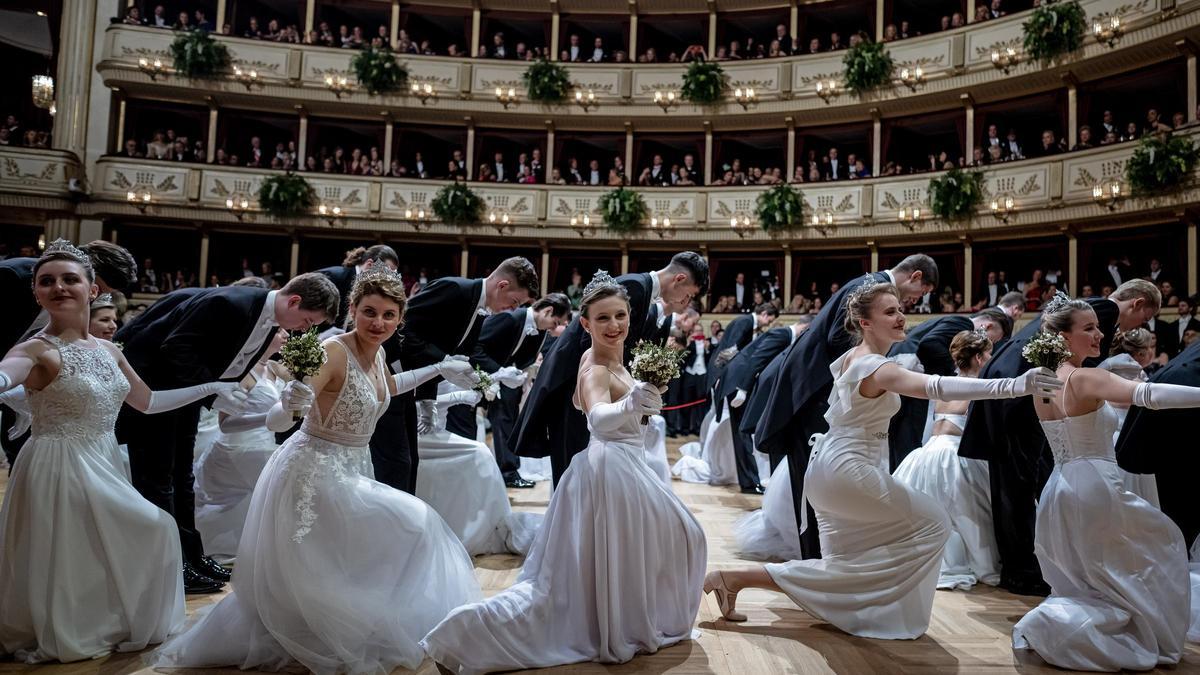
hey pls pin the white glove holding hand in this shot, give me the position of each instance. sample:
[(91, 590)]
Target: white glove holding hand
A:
[(510, 377), (1040, 381), (645, 400), (234, 401), (297, 397), (16, 400), (738, 399), (457, 370)]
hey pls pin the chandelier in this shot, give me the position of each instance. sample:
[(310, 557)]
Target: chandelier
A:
[(43, 91)]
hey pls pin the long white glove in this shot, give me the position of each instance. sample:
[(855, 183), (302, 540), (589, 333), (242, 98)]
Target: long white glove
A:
[(427, 417), (462, 397), (510, 376), (258, 405), (456, 369), (6, 382), (296, 398), (229, 394), (1041, 381), (18, 402), (1157, 396), (738, 399), (643, 401)]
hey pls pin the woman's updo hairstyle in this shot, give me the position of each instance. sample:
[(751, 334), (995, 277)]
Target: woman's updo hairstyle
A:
[(1131, 341), (381, 281), (967, 345), (64, 250), (1058, 315), (858, 305), (602, 286)]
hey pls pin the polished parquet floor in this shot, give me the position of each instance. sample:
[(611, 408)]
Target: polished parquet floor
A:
[(970, 632)]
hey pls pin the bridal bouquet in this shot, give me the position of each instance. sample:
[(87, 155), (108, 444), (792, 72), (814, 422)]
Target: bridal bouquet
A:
[(487, 387), (302, 354), (654, 365), (1046, 350)]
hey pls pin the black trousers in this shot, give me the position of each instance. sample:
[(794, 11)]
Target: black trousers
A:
[(502, 413), (394, 445), (743, 448), (8, 419), (677, 422), (568, 436), (161, 449), (798, 455), (695, 387), (1015, 490), (460, 419)]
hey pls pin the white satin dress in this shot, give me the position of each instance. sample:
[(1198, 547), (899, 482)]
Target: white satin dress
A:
[(771, 533), (881, 540)]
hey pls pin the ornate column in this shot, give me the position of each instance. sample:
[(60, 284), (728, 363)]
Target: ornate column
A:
[(968, 271), (476, 20), (708, 153), (633, 31), (73, 78), (548, 166), (879, 20), (204, 242), (545, 268), (1072, 262), (554, 32), (302, 142), (712, 29), (310, 12), (794, 23), (876, 143), (787, 274), (470, 147), (969, 106), (465, 259), (210, 148), (218, 20), (624, 258), (630, 174), (1073, 109), (791, 149), (394, 28)]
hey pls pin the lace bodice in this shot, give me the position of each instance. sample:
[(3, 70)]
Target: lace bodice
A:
[(849, 409), (83, 401), (1089, 435), (351, 419)]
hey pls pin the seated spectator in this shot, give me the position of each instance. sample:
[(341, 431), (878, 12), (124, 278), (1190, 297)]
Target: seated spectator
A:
[(814, 46), (615, 179), (556, 177), (130, 151), (786, 44), (598, 53), (133, 17), (159, 18), (890, 34), (1050, 145), (484, 175), (982, 13), (1154, 125), (1085, 138), (835, 42)]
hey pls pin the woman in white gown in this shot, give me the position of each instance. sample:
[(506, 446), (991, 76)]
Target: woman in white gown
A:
[(1132, 351), (959, 484), (87, 566), (1116, 565), (882, 541), (771, 533), (617, 567), (336, 570)]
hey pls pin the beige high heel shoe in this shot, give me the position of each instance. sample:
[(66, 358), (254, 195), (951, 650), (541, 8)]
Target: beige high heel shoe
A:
[(714, 582)]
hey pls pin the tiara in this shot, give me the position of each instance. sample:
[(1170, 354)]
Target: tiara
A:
[(981, 333), (103, 300), (862, 289), (64, 246), (600, 279), (378, 273), (1058, 302)]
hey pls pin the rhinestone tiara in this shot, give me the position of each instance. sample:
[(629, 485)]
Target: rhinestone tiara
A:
[(600, 279)]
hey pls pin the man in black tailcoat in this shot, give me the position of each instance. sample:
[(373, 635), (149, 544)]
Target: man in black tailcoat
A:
[(929, 344), (441, 320), (1008, 435), (549, 424), (763, 365), (795, 409), (195, 337), (509, 342), (1161, 442)]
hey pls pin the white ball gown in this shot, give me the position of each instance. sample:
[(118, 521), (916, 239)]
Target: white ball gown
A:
[(616, 570), (771, 533), (335, 570), (226, 474), (1116, 565), (86, 564), (881, 540), (711, 459), (962, 486), (1143, 485)]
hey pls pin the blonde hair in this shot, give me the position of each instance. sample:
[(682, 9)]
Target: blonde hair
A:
[(381, 281), (1131, 341), (858, 305), (1138, 288)]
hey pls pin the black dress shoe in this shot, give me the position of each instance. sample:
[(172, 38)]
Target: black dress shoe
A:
[(756, 490), (1035, 587), (519, 482), (212, 569), (195, 583)]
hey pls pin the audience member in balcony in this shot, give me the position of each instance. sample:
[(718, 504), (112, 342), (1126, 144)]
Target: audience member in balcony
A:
[(310, 164), (1085, 139), (159, 19), (683, 179), (1033, 290), (523, 165), (786, 44), (836, 169), (1109, 123), (535, 164), (615, 178), (835, 42), (199, 154), (659, 174), (255, 156), (252, 30), (598, 53), (377, 163), (1178, 121), (982, 13), (182, 22), (1169, 295), (890, 34), (945, 23), (524, 54), (1050, 145), (133, 17), (524, 175), (1155, 125), (1012, 147), (201, 21), (499, 50), (957, 20), (594, 177), (556, 177), (1132, 133), (905, 31), (130, 151), (574, 50), (814, 46), (485, 175), (996, 9)]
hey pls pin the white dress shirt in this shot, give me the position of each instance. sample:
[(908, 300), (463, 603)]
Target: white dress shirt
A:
[(594, 178), (575, 53), (739, 290), (597, 55), (698, 367), (528, 330), (655, 287), (993, 294), (480, 310), (266, 324), (1183, 325), (1115, 273)]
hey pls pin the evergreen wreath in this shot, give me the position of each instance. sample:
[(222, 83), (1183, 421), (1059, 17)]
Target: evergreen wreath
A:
[(1161, 163), (286, 195), (546, 82), (1055, 28), (779, 208), (703, 83), (457, 204), (623, 210), (196, 54), (956, 194), (378, 71), (867, 66)]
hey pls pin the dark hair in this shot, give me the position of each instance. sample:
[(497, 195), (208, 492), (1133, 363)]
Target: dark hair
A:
[(1012, 299), (253, 282), (377, 253), (768, 308), (695, 266), (559, 301), (919, 262), (602, 292), (316, 293), (112, 263), (1005, 321), (858, 305), (522, 273), (966, 345)]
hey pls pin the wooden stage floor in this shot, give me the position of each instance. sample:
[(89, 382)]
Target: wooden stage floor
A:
[(970, 632)]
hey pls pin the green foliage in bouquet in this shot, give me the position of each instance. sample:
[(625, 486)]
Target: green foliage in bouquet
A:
[(623, 210), (779, 208), (286, 195), (196, 54), (867, 66), (703, 83), (1055, 28), (378, 71), (302, 354), (457, 204), (955, 194), (546, 82), (1160, 163)]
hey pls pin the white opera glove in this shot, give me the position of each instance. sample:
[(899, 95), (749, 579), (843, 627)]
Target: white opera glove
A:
[(258, 404), (1159, 396), (426, 417), (643, 401), (458, 371), (510, 377), (1041, 381), (295, 399), (462, 397), (6, 382), (170, 399), (16, 400), (738, 399)]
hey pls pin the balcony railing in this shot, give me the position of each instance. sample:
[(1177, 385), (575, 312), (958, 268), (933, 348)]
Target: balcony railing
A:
[(31, 176)]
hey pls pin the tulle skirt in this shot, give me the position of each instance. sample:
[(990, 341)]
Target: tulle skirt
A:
[(771, 533), (616, 570), (87, 566), (712, 459), (335, 570), (656, 448), (225, 477)]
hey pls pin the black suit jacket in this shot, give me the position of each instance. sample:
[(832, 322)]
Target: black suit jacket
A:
[(343, 277), (743, 369), (842, 172), (510, 173), (497, 346), (799, 397), (434, 325), (766, 362), (930, 341), (16, 287), (738, 334), (1169, 340), (192, 335)]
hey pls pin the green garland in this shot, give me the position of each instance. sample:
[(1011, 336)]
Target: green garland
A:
[(286, 195), (703, 83), (378, 71), (956, 194), (1161, 163), (780, 208), (1055, 28), (867, 66), (623, 210), (457, 204), (546, 82), (196, 54)]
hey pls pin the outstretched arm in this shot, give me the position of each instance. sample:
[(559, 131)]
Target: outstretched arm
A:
[(143, 399), (18, 363), (891, 377)]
